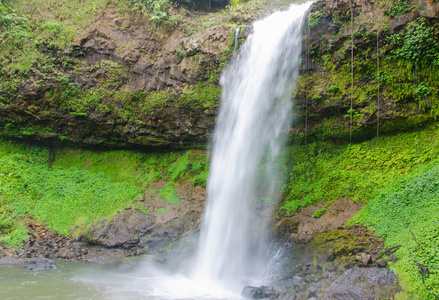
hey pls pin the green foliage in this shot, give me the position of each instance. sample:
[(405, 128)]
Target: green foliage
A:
[(32, 30), (16, 236), (400, 7), (139, 168), (142, 209), (59, 196), (204, 95), (234, 3), (416, 47), (6, 222), (169, 193), (206, 4), (408, 77), (325, 171), (314, 19), (190, 164), (334, 89), (405, 214), (71, 13), (83, 185), (179, 169), (413, 51), (318, 213), (160, 210), (158, 11), (201, 179)]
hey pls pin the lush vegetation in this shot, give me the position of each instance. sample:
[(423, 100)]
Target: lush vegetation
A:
[(82, 186), (397, 176), (56, 196), (406, 215), (407, 83), (396, 173), (138, 168), (68, 187), (323, 171)]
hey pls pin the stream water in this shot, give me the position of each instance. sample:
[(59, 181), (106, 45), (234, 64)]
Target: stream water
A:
[(254, 117)]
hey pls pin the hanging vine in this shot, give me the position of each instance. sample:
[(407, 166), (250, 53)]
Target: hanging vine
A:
[(378, 78), (307, 33), (352, 68)]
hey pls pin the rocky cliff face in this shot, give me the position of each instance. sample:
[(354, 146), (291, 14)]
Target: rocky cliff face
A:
[(391, 67), (126, 82), (122, 82)]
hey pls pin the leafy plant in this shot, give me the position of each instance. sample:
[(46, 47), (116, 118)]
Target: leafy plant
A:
[(169, 193), (319, 213), (325, 171), (400, 7), (416, 46), (201, 179), (314, 19), (405, 214), (16, 236)]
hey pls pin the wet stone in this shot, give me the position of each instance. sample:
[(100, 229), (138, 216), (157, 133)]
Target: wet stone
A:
[(263, 292), (287, 296), (381, 263), (35, 264)]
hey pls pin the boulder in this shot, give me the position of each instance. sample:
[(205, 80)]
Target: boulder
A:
[(32, 264), (263, 292), (363, 284)]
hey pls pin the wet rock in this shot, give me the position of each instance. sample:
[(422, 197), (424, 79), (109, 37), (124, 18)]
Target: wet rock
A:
[(286, 296), (32, 264), (112, 257), (263, 292), (363, 284), (9, 261), (300, 283), (286, 227), (35, 264), (121, 230), (364, 258), (381, 263)]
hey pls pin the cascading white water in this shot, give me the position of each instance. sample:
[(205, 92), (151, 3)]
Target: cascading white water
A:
[(254, 116)]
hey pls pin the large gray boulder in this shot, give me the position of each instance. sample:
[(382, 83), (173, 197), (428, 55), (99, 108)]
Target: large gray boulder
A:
[(364, 284)]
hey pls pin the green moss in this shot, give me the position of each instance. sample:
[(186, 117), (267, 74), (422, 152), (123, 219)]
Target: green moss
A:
[(314, 19), (169, 193), (82, 185), (319, 213), (201, 179), (325, 171), (204, 95), (405, 213), (138, 168), (142, 209), (160, 210), (16, 236), (58, 196)]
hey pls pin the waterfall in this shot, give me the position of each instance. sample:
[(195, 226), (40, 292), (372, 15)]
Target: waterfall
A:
[(235, 44), (254, 117)]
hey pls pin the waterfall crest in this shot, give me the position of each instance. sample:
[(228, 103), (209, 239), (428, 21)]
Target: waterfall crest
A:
[(254, 117)]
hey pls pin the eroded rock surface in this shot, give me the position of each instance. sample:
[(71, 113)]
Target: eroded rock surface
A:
[(364, 284), (32, 264)]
